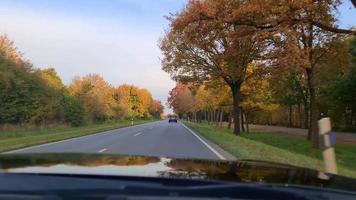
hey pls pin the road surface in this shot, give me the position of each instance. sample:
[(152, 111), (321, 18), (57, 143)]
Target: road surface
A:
[(152, 139)]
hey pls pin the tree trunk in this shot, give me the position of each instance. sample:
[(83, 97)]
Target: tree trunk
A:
[(242, 120), (221, 117), (230, 120), (246, 121), (290, 116), (311, 82), (217, 117), (235, 89), (313, 123), (299, 116), (208, 116), (306, 116), (212, 116)]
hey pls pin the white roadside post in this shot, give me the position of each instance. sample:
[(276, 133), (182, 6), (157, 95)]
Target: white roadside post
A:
[(329, 141)]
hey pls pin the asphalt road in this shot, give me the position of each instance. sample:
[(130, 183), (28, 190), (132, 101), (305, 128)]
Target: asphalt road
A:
[(152, 139)]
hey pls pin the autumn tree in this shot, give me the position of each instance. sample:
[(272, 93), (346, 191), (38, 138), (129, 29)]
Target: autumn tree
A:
[(138, 101), (156, 108), (214, 100), (200, 49), (182, 100), (25, 97), (299, 33), (38, 96), (308, 34), (256, 97), (95, 94)]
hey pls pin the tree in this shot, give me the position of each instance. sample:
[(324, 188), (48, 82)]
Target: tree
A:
[(137, 100), (214, 99), (156, 108), (337, 84), (95, 94), (289, 91), (182, 100), (74, 111), (299, 31), (198, 50), (56, 92), (145, 99), (256, 96), (24, 96)]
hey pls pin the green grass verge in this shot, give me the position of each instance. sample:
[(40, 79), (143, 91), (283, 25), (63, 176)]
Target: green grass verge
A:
[(20, 139), (276, 148)]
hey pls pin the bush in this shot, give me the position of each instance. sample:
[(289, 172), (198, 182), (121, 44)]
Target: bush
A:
[(74, 111)]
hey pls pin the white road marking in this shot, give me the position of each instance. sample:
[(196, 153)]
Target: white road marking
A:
[(102, 150), (139, 133), (75, 138), (206, 144)]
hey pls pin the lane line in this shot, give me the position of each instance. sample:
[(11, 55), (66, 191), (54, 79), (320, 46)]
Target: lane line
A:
[(137, 134), (102, 150), (206, 144), (80, 137)]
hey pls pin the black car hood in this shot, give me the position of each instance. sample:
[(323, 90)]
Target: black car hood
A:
[(141, 166)]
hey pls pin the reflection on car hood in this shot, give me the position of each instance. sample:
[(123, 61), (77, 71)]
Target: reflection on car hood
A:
[(237, 171)]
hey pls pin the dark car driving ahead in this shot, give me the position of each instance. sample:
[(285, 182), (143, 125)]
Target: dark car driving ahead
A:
[(172, 119)]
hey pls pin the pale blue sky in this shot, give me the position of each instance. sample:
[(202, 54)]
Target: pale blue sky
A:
[(114, 38)]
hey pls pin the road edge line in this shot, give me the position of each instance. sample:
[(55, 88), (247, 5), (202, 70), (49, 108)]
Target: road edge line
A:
[(206, 144)]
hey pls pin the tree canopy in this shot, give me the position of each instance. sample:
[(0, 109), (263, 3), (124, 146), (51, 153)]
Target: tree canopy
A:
[(38, 96)]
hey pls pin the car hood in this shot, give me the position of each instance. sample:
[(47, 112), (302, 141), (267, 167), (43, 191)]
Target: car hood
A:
[(116, 165)]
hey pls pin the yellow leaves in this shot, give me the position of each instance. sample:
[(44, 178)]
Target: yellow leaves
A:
[(51, 78), (104, 101), (212, 98), (257, 95), (9, 51), (138, 100)]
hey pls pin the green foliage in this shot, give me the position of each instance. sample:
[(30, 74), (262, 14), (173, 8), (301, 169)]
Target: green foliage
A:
[(338, 86), (289, 90), (74, 111), (34, 96), (23, 97)]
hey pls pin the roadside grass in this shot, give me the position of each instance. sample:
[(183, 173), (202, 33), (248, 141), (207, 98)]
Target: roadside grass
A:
[(275, 147), (11, 140)]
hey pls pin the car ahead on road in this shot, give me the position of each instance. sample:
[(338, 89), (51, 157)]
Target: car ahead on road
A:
[(94, 176), (172, 119)]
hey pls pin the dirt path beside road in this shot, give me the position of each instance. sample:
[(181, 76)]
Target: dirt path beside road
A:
[(341, 137)]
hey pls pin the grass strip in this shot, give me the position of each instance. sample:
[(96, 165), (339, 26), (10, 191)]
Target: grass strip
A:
[(275, 148), (22, 139)]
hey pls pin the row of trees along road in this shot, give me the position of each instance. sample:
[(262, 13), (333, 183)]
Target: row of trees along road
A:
[(223, 39), (39, 97)]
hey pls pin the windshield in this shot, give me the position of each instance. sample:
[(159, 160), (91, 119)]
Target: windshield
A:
[(215, 80)]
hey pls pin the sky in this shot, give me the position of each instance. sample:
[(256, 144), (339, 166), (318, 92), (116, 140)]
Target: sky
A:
[(117, 39)]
